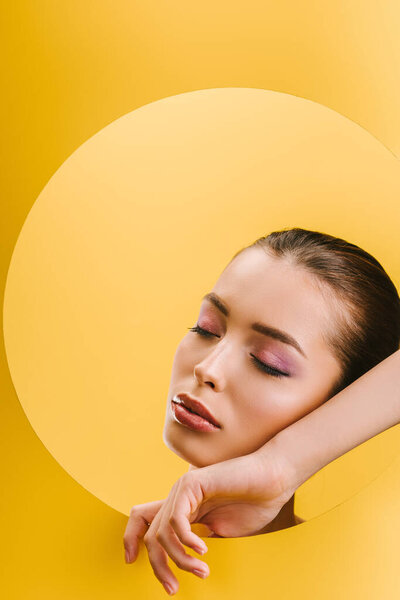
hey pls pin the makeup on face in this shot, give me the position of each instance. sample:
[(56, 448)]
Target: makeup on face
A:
[(190, 419), (255, 359), (257, 326), (267, 349), (273, 357)]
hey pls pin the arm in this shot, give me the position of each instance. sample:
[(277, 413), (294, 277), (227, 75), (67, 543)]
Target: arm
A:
[(368, 406)]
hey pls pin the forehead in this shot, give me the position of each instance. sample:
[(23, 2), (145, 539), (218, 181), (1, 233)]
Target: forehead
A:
[(257, 286)]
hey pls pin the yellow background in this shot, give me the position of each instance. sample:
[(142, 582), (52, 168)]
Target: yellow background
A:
[(74, 68)]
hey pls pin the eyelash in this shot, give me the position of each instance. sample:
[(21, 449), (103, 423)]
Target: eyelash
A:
[(258, 363)]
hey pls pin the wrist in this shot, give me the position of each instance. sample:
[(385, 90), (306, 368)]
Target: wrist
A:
[(294, 463), (276, 462)]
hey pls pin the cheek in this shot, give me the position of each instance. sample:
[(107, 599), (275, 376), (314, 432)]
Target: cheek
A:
[(257, 418), (283, 410), (267, 412)]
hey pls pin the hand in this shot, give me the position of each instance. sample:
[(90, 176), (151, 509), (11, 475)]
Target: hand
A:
[(235, 498)]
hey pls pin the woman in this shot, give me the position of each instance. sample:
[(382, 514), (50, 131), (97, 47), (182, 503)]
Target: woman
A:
[(292, 321)]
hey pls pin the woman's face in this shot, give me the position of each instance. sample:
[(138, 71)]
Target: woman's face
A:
[(261, 311)]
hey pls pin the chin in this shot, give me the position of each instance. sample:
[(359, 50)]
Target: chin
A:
[(184, 449)]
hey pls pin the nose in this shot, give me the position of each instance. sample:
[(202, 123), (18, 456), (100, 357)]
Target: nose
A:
[(212, 370)]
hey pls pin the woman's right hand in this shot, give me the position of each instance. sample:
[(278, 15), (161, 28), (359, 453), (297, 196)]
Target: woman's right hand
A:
[(238, 497)]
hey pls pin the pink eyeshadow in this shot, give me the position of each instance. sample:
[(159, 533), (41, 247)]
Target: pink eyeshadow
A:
[(208, 321), (275, 359)]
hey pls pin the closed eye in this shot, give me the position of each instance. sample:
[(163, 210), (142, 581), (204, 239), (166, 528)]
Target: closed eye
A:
[(203, 332), (266, 368), (258, 363)]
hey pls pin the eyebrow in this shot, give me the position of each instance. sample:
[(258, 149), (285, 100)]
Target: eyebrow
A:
[(277, 334)]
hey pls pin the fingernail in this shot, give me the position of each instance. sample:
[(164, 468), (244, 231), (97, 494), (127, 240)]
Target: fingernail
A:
[(200, 550), (201, 574), (127, 557), (169, 589)]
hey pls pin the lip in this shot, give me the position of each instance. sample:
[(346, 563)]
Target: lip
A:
[(196, 407)]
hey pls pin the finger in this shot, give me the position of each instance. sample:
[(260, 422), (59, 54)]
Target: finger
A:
[(187, 500), (166, 536), (159, 560), (180, 521), (139, 521)]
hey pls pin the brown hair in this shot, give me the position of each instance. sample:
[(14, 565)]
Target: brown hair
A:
[(367, 303)]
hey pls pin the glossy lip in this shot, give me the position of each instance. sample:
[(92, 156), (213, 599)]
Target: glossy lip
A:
[(196, 406)]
